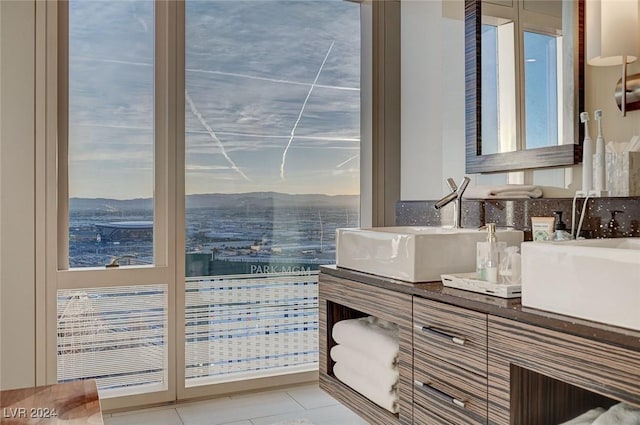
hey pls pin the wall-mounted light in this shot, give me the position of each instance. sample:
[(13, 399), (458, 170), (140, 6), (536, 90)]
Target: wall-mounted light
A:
[(613, 38)]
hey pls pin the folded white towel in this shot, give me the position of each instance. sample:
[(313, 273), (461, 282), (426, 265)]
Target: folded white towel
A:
[(383, 398), (620, 414), (375, 337), (384, 376), (507, 191), (517, 191), (586, 418)]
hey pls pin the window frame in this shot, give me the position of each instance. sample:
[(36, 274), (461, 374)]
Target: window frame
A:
[(380, 161), (166, 201)]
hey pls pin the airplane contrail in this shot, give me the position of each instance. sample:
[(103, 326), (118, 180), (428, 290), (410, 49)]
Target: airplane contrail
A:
[(224, 133), (347, 161), (304, 104), (121, 62), (213, 135), (273, 80), (229, 74)]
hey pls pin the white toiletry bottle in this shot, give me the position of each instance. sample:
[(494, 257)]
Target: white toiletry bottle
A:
[(488, 256), (510, 266), (600, 180), (587, 155)]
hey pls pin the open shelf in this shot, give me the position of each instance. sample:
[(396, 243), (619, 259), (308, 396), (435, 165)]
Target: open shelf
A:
[(355, 401), (537, 399), (341, 391), (336, 313)]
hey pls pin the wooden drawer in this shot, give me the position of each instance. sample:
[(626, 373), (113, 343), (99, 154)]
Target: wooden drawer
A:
[(451, 333), (453, 393), (422, 416)]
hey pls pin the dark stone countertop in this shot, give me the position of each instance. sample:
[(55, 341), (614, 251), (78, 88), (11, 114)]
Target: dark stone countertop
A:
[(502, 307)]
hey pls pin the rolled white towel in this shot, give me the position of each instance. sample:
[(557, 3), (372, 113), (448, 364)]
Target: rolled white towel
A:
[(383, 398), (586, 418), (384, 376), (507, 191), (373, 336), (620, 414)]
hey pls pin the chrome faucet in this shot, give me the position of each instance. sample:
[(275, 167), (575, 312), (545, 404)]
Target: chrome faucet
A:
[(455, 195)]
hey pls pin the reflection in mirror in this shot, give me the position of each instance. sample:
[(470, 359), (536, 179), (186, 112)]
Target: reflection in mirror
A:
[(542, 100), (523, 98), (498, 64), (522, 45)]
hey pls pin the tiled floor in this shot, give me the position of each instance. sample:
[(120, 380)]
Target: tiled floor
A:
[(266, 408)]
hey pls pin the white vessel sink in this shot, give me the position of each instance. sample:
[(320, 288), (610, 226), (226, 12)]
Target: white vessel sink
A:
[(413, 254), (596, 279)]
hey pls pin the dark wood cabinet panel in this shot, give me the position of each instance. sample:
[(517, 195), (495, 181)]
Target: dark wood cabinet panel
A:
[(538, 399), (595, 367)]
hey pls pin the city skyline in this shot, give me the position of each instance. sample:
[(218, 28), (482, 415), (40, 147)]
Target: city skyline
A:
[(272, 98)]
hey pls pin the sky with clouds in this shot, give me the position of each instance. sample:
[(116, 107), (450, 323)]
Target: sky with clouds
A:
[(272, 98)]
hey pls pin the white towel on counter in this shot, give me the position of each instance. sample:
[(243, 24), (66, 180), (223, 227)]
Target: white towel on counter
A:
[(507, 191), (371, 335), (620, 414), (384, 376), (586, 418), (383, 398)]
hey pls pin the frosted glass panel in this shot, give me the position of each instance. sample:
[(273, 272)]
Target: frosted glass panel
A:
[(246, 326), (116, 335)]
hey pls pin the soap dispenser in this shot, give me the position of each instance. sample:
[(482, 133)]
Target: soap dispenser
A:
[(560, 231), (488, 256)]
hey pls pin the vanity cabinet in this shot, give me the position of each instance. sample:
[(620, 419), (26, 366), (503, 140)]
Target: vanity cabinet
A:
[(468, 359)]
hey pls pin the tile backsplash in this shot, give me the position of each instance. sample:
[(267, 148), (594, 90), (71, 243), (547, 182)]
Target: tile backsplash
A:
[(517, 213)]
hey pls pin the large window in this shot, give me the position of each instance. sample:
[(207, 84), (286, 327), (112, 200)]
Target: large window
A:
[(189, 241), (111, 135), (272, 169)]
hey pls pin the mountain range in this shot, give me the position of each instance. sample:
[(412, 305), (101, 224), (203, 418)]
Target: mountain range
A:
[(221, 200)]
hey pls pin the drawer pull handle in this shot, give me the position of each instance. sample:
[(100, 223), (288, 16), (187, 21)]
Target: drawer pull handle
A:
[(434, 391), (455, 339)]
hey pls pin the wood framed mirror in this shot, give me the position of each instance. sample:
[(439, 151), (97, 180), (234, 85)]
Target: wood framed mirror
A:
[(520, 144)]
